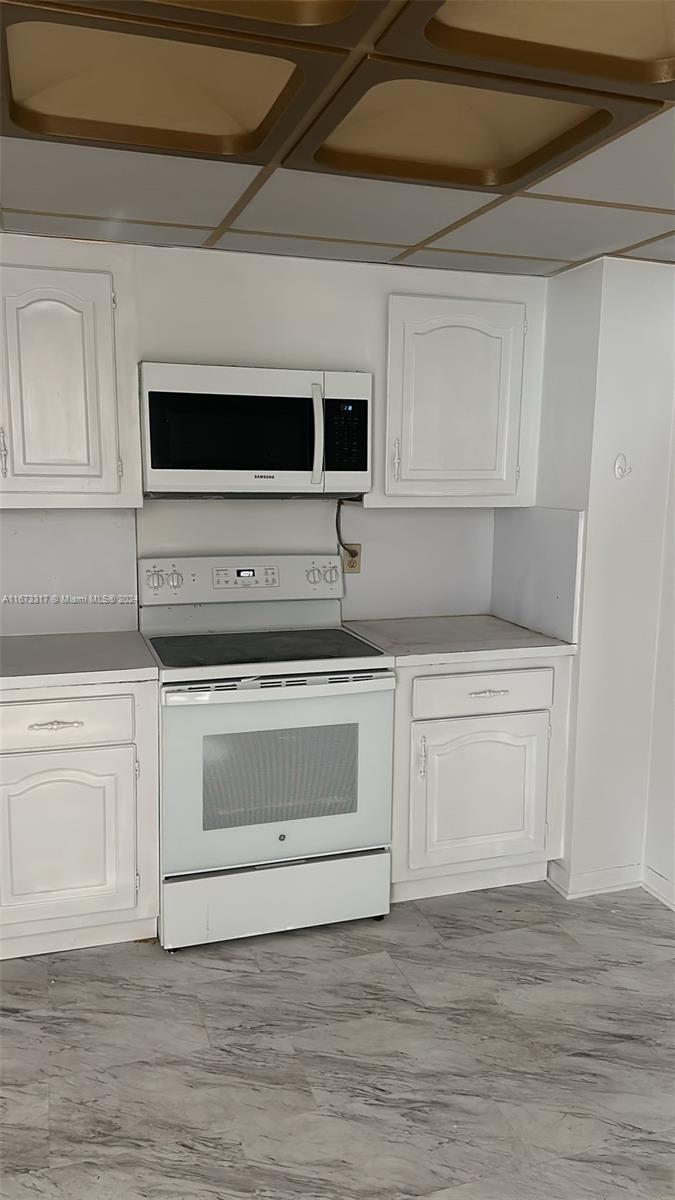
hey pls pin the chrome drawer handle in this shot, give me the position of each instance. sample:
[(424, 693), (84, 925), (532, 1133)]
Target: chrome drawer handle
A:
[(488, 692), (54, 726), (3, 453)]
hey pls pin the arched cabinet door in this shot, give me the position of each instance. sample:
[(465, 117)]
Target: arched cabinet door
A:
[(68, 833), (454, 396), (478, 789), (58, 424)]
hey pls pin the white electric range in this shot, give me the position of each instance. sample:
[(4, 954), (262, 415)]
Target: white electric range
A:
[(276, 747)]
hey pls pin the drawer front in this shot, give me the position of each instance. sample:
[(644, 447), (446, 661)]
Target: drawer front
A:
[(488, 692), (53, 724)]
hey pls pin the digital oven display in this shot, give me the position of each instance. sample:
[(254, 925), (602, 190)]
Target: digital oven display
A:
[(246, 573)]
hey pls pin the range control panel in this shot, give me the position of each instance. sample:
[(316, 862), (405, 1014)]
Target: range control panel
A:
[(217, 580)]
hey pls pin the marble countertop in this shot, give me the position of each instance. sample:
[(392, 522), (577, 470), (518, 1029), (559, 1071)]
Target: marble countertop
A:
[(422, 640), (47, 659)]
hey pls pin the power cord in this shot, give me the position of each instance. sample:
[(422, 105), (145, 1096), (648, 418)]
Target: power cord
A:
[(350, 550)]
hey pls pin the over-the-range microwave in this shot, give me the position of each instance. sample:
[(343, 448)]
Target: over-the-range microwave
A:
[(212, 429)]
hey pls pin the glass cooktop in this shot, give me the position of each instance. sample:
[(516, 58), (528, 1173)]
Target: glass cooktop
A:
[(266, 646)]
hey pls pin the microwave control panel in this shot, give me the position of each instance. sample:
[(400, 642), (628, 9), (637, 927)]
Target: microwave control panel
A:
[(346, 437), (222, 579)]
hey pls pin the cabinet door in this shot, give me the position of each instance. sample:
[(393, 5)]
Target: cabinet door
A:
[(59, 421), (454, 396), (478, 788), (68, 833)]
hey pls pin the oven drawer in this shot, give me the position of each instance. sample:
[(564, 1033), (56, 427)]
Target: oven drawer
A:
[(53, 724), (488, 692)]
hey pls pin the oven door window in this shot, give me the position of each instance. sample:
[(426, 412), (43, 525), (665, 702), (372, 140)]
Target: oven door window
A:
[(268, 779), (279, 775)]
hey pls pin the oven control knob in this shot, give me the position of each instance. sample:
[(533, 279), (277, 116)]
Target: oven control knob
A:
[(174, 579), (155, 579), (314, 575), (331, 575)]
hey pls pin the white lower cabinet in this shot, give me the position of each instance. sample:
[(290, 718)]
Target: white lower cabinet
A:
[(79, 844), (480, 773), (84, 803), (478, 788)]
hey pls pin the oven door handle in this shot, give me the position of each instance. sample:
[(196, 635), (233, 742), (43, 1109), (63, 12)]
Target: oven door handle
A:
[(253, 694), (317, 401)]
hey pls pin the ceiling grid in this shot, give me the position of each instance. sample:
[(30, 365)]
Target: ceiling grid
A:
[(415, 132)]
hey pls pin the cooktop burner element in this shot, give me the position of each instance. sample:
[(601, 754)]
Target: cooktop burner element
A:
[(260, 646)]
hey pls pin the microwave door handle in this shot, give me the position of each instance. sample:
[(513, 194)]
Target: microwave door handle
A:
[(317, 401)]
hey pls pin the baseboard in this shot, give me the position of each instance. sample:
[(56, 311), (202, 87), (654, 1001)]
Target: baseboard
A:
[(659, 887), (25, 945), (467, 881), (593, 883)]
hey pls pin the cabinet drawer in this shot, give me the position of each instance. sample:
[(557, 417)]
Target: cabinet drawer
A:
[(487, 692), (53, 724)]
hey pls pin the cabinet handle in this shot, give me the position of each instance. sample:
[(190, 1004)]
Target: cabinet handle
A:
[(54, 726), (488, 692), (422, 758), (397, 459), (3, 452)]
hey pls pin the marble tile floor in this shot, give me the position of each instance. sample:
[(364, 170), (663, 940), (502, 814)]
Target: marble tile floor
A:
[(498, 1045)]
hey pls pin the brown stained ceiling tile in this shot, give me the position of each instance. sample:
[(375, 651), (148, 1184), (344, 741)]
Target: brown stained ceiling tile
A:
[(340, 23), (298, 13), (627, 46), (418, 120), (144, 86), (422, 123)]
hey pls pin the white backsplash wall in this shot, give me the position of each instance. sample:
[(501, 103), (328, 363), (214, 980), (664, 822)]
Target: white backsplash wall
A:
[(424, 563), (419, 563), (168, 527), (85, 554)]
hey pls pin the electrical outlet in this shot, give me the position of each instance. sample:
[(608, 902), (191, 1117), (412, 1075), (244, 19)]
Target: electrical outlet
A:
[(351, 563)]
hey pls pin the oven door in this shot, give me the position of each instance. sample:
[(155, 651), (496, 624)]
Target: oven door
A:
[(231, 429), (283, 769)]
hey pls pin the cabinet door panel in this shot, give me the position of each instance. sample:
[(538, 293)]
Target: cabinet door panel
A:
[(478, 788), (454, 396), (69, 833), (60, 419)]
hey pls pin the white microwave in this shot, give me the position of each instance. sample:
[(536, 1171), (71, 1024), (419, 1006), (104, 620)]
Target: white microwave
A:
[(254, 430)]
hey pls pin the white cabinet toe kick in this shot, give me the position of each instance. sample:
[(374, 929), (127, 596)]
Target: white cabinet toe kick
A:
[(224, 905)]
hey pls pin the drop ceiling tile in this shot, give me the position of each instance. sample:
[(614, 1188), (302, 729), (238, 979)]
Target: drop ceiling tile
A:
[(49, 225), (636, 168), (56, 177), (555, 229), (663, 250), (482, 262), (305, 248), (309, 203)]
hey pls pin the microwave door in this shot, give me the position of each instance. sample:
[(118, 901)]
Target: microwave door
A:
[(229, 430)]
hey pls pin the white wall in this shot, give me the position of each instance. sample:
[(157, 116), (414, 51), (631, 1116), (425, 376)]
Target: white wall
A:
[(430, 563), (625, 395), (570, 369), (659, 852), (82, 554), (536, 569)]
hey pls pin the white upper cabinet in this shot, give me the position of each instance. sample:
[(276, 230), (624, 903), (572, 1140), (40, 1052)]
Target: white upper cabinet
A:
[(454, 395), (59, 437)]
